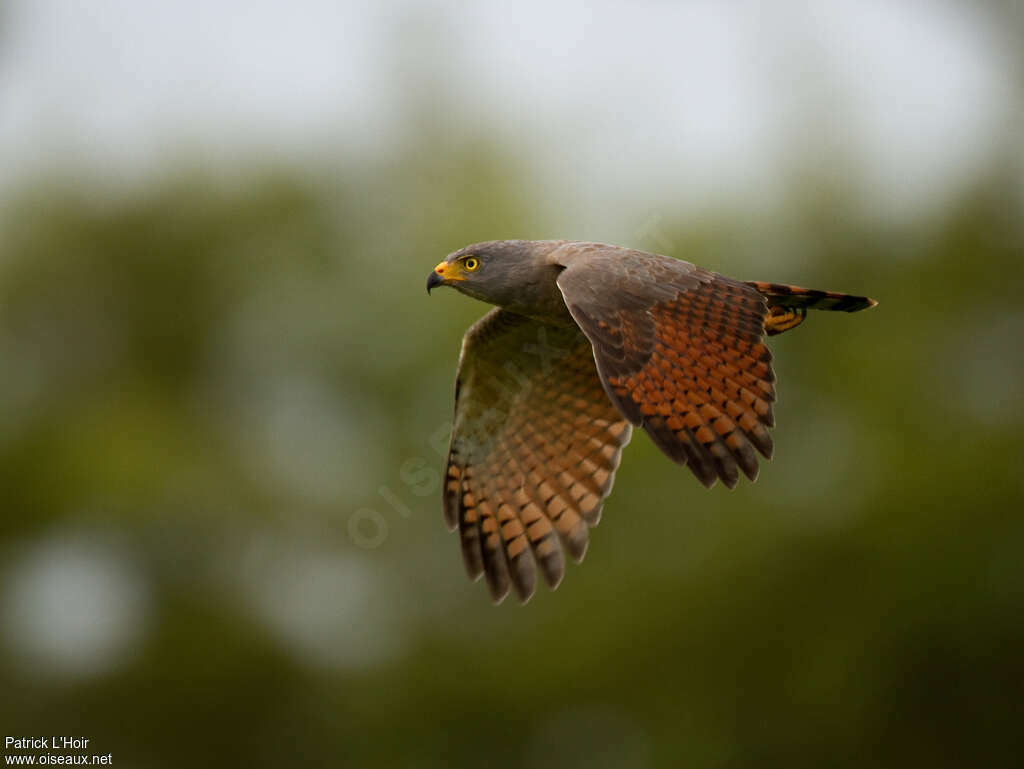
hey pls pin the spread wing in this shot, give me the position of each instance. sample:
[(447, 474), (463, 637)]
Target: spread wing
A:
[(534, 449), (680, 352)]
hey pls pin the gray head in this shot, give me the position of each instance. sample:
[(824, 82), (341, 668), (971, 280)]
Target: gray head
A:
[(514, 274)]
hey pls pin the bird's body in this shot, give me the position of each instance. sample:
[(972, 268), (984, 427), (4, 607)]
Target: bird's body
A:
[(587, 341)]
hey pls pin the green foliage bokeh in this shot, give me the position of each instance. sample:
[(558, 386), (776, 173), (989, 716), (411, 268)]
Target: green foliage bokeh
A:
[(215, 377)]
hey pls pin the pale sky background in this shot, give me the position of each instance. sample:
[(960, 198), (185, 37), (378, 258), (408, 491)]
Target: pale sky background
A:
[(646, 101)]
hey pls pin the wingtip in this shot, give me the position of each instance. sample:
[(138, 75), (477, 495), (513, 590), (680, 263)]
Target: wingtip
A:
[(554, 580), (451, 517), (499, 592), (580, 552)]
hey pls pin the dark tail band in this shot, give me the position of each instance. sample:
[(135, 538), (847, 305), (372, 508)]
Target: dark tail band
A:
[(779, 295)]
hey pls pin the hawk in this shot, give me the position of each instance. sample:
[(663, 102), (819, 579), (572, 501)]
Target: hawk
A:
[(588, 340)]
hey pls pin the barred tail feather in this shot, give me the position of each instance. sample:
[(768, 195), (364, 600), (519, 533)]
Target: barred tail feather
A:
[(779, 295)]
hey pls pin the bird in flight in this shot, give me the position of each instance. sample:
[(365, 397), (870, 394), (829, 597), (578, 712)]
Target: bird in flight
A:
[(586, 341)]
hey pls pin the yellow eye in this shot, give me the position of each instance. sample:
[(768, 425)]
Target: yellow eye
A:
[(472, 263)]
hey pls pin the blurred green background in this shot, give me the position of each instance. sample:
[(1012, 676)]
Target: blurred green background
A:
[(225, 390)]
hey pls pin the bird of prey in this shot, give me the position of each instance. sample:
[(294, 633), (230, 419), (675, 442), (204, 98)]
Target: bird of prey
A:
[(586, 341)]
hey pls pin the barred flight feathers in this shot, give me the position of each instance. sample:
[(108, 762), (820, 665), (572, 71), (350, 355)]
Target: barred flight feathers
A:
[(688, 365), (534, 450)]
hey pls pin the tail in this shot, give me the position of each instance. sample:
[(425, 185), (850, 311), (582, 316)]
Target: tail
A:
[(788, 305)]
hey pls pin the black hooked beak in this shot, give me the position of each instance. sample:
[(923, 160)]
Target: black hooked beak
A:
[(435, 278), (433, 281)]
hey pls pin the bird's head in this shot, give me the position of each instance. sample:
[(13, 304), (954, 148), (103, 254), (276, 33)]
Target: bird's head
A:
[(500, 272)]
